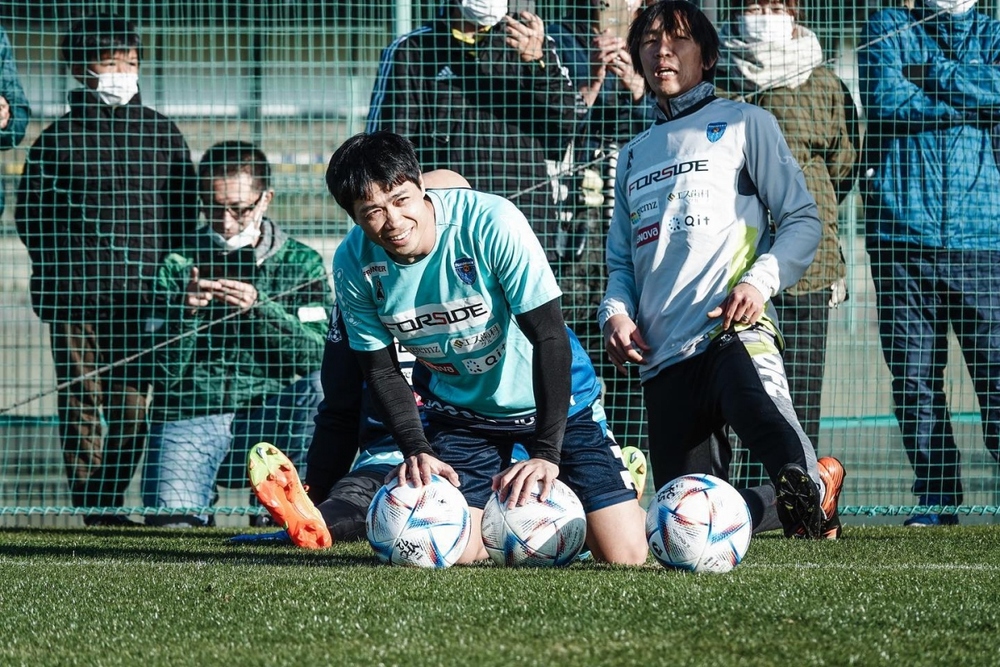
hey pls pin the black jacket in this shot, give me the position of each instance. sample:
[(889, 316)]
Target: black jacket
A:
[(480, 110), (106, 192)]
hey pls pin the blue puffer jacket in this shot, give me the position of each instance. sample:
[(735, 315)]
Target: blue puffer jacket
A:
[(932, 174)]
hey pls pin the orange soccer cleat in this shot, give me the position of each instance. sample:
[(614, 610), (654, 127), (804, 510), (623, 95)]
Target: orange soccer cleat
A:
[(277, 486), (831, 471)]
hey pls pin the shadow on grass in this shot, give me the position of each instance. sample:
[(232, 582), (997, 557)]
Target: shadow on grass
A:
[(169, 546)]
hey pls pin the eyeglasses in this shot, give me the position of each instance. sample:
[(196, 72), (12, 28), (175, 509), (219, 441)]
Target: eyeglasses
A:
[(767, 8), (215, 210)]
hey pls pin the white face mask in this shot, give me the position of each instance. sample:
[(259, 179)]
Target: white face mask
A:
[(484, 13), (247, 236), (951, 6), (116, 88), (766, 27)]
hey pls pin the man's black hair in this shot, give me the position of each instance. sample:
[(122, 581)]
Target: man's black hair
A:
[(384, 159), (97, 34), (231, 158), (678, 17)]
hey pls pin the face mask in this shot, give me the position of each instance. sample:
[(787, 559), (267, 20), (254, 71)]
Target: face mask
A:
[(951, 6), (116, 88), (484, 13), (766, 27), (247, 236)]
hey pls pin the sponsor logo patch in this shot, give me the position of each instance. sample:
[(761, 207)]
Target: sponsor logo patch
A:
[(438, 318), (446, 369), (486, 362), (667, 173), (477, 342), (647, 234), (375, 269), (432, 350)]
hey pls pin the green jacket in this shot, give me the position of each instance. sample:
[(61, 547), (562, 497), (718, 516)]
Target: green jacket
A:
[(238, 362), (812, 118)]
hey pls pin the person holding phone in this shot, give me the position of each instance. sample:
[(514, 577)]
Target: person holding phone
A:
[(482, 90), (241, 320)]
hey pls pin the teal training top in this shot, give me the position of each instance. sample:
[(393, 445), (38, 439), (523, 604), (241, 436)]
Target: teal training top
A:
[(454, 309)]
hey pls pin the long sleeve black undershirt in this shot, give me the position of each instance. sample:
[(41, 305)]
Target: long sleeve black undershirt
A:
[(551, 359)]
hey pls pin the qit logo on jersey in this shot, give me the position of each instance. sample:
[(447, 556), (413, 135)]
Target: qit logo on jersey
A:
[(466, 270)]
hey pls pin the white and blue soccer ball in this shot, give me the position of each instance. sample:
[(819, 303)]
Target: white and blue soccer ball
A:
[(698, 523), (426, 527), (547, 533)]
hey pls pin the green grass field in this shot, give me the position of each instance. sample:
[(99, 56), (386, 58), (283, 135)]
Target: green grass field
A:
[(145, 597)]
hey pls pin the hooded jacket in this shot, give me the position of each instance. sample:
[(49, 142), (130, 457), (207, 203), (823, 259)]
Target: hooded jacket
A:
[(931, 92)]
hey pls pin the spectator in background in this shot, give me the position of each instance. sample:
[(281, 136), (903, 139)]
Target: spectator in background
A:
[(930, 86), (14, 109), (483, 93), (590, 41), (107, 189), (242, 309), (768, 58), (690, 276)]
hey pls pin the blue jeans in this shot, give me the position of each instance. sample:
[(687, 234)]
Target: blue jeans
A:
[(919, 293), (186, 459)]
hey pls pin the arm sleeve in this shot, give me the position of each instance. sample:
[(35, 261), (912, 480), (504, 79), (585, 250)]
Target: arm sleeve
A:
[(38, 201), (338, 419), (555, 108), (845, 149), (182, 191), (782, 188), (392, 396), (397, 102), (621, 296), (887, 95), (966, 87), (290, 328), (173, 324), (551, 359)]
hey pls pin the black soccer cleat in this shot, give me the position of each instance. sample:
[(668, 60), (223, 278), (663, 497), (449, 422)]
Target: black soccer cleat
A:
[(798, 503)]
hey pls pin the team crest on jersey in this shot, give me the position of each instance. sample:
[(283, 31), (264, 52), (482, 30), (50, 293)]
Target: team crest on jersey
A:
[(379, 290), (466, 270), (714, 131)]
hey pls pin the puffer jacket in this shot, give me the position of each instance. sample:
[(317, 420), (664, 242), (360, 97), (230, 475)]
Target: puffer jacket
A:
[(932, 174), (106, 192), (812, 119), (478, 109), (238, 362)]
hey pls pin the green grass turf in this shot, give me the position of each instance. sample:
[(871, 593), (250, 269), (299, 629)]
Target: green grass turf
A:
[(146, 597)]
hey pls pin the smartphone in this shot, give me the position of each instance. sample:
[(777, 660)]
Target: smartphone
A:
[(514, 7), (613, 16)]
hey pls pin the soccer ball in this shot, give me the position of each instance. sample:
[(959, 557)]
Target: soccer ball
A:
[(426, 527), (698, 523), (536, 534)]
